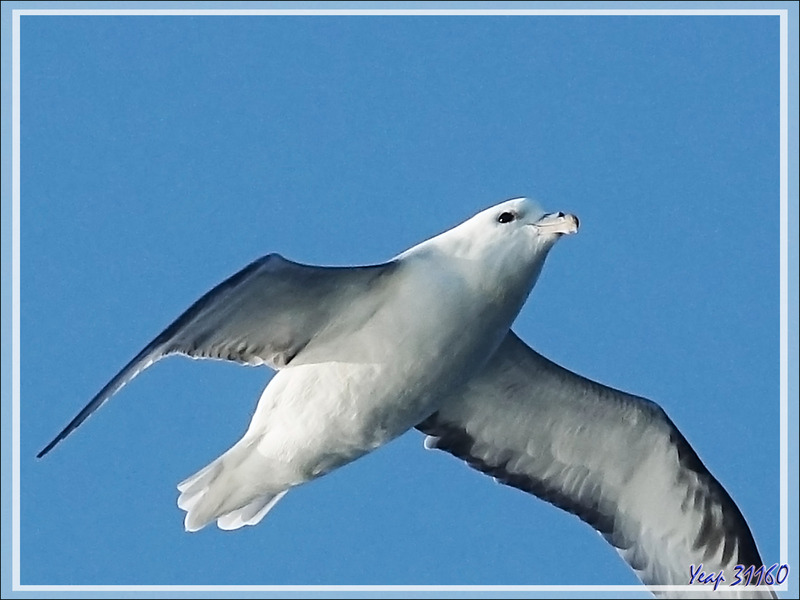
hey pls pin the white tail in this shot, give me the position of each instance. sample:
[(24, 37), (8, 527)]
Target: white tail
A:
[(231, 490)]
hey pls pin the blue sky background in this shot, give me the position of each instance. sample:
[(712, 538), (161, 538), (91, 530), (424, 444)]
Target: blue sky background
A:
[(162, 154)]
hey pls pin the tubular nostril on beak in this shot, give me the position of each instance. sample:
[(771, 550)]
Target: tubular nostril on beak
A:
[(557, 223)]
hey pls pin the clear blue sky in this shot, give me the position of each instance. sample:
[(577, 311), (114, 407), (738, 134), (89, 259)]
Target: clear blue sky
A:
[(160, 155)]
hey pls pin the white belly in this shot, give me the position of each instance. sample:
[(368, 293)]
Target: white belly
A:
[(318, 417)]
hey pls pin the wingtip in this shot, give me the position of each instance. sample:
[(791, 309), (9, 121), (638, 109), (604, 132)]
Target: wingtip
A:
[(44, 451)]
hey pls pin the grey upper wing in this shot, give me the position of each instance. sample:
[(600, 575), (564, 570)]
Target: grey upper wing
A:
[(266, 313), (614, 460)]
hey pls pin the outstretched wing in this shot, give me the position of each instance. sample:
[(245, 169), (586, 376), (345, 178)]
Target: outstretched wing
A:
[(614, 460), (267, 313)]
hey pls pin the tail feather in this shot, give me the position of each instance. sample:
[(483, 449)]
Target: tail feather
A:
[(195, 487), (250, 514), (231, 490)]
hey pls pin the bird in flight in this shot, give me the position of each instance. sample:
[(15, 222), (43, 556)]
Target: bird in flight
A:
[(363, 354)]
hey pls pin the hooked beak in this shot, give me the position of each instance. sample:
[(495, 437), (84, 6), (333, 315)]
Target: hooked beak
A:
[(558, 223)]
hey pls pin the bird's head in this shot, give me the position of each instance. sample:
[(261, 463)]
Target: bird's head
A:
[(502, 248), (510, 234)]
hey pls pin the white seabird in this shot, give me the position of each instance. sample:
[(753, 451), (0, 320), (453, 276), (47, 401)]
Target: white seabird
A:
[(364, 354)]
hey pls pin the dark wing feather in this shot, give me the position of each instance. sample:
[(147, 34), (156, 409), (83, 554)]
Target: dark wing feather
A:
[(614, 460)]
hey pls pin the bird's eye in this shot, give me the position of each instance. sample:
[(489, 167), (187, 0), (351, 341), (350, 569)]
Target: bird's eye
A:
[(506, 217)]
